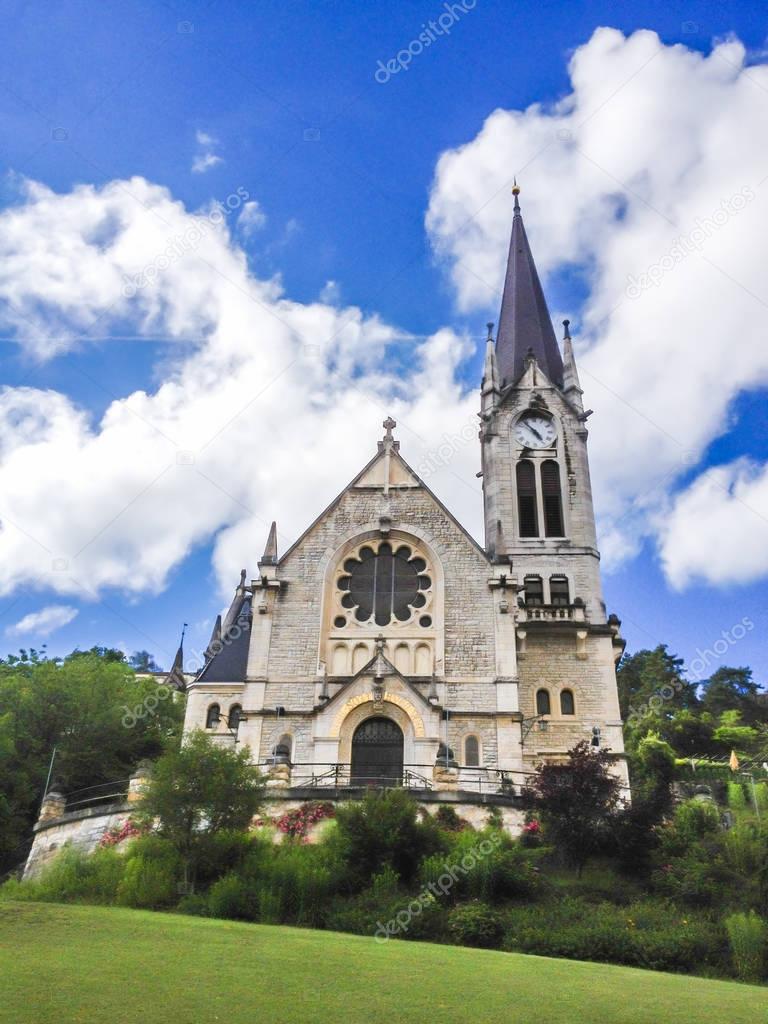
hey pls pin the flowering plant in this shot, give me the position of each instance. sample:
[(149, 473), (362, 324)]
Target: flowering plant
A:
[(128, 830), (297, 823), (531, 833)]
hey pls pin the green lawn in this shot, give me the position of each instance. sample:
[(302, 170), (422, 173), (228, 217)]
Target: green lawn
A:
[(94, 964)]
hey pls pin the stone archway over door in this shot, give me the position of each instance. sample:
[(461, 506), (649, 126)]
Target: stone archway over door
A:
[(377, 753)]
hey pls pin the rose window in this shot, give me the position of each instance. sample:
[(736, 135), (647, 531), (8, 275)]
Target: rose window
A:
[(384, 584)]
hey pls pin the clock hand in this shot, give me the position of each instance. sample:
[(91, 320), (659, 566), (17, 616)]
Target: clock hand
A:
[(533, 430)]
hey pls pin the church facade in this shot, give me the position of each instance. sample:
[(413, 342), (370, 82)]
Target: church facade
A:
[(387, 647)]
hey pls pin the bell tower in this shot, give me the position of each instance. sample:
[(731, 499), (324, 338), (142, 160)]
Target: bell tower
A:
[(539, 516), (536, 486)]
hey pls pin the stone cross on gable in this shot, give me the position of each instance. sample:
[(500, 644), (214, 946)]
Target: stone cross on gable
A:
[(389, 424)]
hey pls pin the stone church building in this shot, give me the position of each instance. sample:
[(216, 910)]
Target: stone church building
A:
[(387, 647)]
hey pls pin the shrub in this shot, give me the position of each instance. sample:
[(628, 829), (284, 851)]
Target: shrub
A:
[(74, 877), (220, 853), (645, 934), (383, 829), (193, 904), (737, 800), (388, 915), (748, 937), (476, 924), (448, 820), (484, 865), (233, 897), (148, 883)]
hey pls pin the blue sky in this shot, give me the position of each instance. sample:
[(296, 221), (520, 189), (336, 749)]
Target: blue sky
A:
[(284, 100)]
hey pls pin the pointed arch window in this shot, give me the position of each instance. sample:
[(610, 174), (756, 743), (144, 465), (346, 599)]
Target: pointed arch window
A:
[(543, 703), (213, 717), (567, 703), (552, 499), (472, 752), (528, 517)]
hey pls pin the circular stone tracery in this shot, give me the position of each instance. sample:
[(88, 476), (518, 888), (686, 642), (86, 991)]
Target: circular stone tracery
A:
[(384, 583)]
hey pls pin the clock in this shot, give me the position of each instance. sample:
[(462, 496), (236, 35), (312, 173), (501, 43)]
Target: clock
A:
[(535, 431)]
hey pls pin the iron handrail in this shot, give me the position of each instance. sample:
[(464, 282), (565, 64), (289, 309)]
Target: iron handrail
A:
[(338, 775)]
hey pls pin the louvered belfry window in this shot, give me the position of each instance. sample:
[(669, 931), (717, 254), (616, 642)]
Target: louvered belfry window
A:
[(553, 504), (526, 499)]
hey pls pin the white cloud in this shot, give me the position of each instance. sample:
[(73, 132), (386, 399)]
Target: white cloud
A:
[(717, 531), (266, 416), (43, 622), (269, 406), (203, 162), (252, 218), (634, 171)]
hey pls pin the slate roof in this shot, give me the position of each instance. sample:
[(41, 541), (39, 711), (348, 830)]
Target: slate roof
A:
[(524, 321), (228, 659)]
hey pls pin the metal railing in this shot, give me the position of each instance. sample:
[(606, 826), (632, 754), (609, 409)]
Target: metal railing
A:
[(340, 776), (93, 796)]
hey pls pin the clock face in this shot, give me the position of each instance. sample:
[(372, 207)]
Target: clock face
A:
[(535, 431)]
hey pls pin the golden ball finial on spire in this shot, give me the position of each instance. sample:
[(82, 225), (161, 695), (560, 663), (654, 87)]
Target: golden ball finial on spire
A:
[(515, 188)]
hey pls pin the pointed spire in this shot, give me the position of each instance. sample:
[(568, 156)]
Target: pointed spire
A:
[(490, 371), (178, 661), (524, 321), (214, 644), (270, 551), (175, 677), (571, 384)]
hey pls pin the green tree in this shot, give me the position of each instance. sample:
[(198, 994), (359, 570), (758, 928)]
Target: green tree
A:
[(92, 710), (732, 734), (143, 661), (652, 685), (197, 791), (733, 689), (577, 801)]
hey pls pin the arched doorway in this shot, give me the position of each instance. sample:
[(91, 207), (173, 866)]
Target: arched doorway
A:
[(377, 753)]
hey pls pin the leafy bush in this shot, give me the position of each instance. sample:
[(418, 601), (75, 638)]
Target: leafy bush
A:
[(220, 853), (748, 936), (148, 883), (737, 800), (386, 916), (447, 819), (383, 829), (645, 934), (484, 865), (73, 877), (194, 904), (288, 884), (702, 865), (476, 924), (233, 897)]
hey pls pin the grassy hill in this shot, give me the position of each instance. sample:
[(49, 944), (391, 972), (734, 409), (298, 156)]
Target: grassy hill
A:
[(94, 964)]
